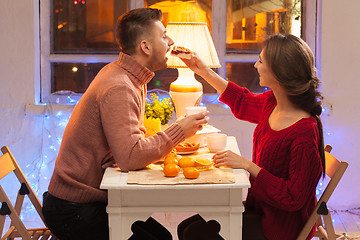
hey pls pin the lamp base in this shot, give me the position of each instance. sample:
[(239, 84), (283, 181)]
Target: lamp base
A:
[(182, 100)]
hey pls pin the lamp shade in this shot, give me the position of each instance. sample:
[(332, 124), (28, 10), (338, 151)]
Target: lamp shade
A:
[(196, 37)]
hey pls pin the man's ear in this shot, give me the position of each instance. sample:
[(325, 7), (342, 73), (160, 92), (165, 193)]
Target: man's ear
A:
[(145, 47)]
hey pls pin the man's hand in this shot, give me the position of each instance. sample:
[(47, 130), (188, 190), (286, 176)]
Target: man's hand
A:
[(193, 123)]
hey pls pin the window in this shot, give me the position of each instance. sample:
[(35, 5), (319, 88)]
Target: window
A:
[(245, 75), (85, 26), (73, 75), (79, 40), (249, 22)]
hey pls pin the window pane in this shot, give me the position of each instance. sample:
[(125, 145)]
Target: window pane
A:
[(249, 22), (74, 77), (183, 11), (244, 74), (85, 26)]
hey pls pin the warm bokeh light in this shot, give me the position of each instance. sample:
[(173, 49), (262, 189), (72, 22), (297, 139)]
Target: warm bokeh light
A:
[(184, 11)]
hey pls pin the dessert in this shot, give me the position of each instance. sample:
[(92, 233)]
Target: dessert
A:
[(181, 52), (187, 147)]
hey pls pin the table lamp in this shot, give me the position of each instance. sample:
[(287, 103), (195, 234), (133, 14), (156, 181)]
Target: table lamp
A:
[(186, 91)]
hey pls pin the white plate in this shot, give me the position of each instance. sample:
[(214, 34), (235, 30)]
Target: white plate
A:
[(189, 152)]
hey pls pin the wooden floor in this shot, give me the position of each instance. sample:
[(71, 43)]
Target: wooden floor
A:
[(347, 221), (344, 222)]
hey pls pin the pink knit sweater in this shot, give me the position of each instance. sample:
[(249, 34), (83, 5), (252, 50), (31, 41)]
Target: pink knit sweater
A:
[(284, 189), (106, 126)]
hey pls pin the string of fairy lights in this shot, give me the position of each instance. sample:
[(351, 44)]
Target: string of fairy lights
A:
[(39, 172)]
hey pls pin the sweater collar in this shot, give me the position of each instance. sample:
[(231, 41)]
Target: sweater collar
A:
[(140, 72)]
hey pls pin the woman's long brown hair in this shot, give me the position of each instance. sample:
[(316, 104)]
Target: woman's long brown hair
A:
[(292, 62)]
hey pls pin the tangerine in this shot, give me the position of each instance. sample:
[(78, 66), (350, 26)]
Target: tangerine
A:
[(203, 161), (171, 170), (186, 162), (171, 158), (191, 172)]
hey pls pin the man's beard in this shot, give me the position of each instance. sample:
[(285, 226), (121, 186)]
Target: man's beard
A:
[(156, 64)]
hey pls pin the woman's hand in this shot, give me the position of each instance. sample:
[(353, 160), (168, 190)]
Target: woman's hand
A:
[(196, 64), (230, 159), (233, 160), (200, 68)]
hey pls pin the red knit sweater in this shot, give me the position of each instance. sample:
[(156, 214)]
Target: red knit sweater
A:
[(106, 126), (284, 190)]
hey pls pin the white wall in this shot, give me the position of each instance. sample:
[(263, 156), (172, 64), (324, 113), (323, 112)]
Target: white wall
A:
[(17, 77), (340, 66), (340, 60)]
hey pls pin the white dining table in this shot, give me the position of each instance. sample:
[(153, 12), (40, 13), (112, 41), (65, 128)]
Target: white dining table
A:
[(128, 203)]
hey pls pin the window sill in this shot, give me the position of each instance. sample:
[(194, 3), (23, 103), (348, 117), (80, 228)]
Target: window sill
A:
[(40, 109)]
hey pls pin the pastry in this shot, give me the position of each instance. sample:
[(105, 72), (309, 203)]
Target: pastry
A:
[(187, 147), (181, 52)]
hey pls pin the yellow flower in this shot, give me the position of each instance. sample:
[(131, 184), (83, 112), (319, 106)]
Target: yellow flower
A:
[(154, 108)]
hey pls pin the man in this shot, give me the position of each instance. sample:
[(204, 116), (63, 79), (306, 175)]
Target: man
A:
[(106, 127)]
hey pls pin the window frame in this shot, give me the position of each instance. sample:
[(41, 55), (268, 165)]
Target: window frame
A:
[(310, 33)]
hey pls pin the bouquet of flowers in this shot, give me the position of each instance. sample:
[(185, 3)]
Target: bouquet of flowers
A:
[(155, 108)]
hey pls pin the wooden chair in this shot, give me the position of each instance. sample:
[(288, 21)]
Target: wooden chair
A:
[(17, 228), (321, 215)]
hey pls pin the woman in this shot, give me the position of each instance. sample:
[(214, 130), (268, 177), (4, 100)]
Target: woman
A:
[(288, 148)]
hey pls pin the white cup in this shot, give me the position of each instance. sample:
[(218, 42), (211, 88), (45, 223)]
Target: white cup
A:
[(216, 142), (193, 110)]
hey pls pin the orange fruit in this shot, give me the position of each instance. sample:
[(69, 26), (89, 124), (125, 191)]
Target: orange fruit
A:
[(186, 162), (191, 172), (203, 163), (171, 170), (171, 158)]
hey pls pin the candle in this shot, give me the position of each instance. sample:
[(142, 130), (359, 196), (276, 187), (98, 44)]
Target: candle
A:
[(152, 125)]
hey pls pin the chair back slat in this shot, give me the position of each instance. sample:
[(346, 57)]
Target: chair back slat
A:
[(335, 170), (331, 164), (22, 179), (7, 165), (337, 175), (15, 219)]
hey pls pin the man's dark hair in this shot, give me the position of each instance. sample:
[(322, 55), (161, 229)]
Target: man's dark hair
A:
[(132, 26)]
